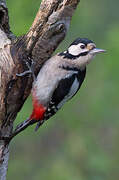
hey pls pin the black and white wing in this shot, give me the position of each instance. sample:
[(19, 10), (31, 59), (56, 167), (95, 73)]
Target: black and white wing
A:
[(65, 90)]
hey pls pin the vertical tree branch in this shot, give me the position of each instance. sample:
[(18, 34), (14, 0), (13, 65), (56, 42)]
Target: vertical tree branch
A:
[(4, 157), (47, 31), (5, 33)]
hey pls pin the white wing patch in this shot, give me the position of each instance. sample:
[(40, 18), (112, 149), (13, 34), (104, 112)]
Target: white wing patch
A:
[(72, 91)]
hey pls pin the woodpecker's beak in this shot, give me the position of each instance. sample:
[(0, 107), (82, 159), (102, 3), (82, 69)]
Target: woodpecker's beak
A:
[(97, 50), (93, 50)]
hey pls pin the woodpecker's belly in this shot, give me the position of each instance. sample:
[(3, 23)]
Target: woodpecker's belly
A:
[(46, 85)]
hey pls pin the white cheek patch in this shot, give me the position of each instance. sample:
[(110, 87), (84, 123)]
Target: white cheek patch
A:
[(75, 50)]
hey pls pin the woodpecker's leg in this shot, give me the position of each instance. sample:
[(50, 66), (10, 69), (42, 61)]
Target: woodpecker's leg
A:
[(39, 124), (29, 71)]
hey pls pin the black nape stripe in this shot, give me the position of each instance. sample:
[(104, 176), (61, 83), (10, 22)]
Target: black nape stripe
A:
[(70, 56)]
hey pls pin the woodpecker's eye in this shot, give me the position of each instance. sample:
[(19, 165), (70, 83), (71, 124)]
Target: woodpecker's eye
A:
[(82, 46)]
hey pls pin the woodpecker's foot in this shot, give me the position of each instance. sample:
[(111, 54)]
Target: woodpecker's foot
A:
[(39, 124), (29, 71)]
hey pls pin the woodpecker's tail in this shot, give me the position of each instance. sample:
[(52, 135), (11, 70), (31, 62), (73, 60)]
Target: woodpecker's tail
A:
[(23, 126)]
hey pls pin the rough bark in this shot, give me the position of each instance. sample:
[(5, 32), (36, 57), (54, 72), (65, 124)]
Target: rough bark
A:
[(4, 157), (47, 31)]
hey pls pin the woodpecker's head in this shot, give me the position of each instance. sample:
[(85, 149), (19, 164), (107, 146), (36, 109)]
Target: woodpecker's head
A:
[(81, 51)]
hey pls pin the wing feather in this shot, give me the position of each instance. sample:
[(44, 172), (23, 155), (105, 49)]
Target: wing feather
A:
[(65, 90)]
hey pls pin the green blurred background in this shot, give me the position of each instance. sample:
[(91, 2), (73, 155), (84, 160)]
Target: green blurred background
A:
[(82, 141)]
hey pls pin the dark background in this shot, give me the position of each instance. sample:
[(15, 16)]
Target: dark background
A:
[(82, 141)]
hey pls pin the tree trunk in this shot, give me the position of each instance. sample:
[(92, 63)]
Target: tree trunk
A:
[(4, 157), (47, 31)]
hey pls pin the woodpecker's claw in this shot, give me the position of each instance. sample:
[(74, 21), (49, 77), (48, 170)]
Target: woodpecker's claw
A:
[(24, 73), (38, 125), (29, 71)]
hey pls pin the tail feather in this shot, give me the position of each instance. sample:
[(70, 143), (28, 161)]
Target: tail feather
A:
[(19, 128), (23, 126)]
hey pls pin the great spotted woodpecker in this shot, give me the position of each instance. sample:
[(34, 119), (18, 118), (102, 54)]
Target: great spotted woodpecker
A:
[(59, 80)]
